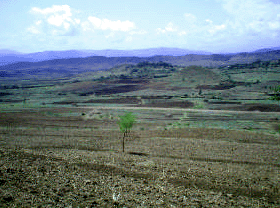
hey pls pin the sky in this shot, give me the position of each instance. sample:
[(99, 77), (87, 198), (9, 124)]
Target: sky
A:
[(217, 26)]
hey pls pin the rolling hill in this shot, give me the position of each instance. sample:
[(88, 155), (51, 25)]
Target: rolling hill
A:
[(10, 56), (71, 66)]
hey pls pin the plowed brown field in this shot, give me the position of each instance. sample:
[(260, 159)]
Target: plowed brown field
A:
[(58, 158)]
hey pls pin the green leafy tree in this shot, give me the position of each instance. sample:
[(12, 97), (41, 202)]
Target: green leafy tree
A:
[(126, 123)]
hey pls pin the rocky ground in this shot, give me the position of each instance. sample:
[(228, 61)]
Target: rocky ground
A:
[(47, 179)]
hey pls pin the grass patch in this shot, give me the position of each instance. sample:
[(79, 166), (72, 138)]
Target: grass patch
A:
[(199, 105)]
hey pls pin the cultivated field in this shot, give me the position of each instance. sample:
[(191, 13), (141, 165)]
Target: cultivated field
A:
[(204, 136), (71, 157)]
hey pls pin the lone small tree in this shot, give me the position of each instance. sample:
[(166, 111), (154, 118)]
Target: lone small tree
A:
[(125, 123)]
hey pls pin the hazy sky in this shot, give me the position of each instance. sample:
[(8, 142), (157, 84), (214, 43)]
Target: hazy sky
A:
[(207, 25)]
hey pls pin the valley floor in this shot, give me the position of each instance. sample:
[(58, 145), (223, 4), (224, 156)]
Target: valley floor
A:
[(71, 157)]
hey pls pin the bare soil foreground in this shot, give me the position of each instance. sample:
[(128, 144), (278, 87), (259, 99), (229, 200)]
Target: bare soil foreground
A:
[(71, 157)]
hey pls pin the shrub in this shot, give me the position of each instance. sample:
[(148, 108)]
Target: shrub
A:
[(199, 105), (276, 94)]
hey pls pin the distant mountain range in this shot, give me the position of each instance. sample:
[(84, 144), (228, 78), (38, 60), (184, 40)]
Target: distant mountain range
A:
[(10, 56), (8, 52), (68, 63), (264, 50)]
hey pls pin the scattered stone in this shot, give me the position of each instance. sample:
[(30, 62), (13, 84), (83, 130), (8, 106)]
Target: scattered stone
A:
[(229, 195)]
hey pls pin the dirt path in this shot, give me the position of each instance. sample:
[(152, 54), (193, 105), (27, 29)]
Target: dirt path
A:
[(179, 109)]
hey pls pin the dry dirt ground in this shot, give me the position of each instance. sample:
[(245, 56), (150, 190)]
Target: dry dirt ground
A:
[(51, 159)]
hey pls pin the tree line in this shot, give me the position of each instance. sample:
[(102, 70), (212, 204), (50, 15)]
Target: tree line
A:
[(255, 64)]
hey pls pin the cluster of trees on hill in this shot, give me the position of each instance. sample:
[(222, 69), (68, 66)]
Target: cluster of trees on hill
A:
[(154, 65), (151, 70), (144, 70), (255, 64)]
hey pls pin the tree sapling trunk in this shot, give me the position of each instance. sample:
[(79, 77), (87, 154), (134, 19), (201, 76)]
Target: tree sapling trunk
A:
[(126, 122)]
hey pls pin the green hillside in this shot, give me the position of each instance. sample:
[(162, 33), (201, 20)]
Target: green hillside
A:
[(161, 84)]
